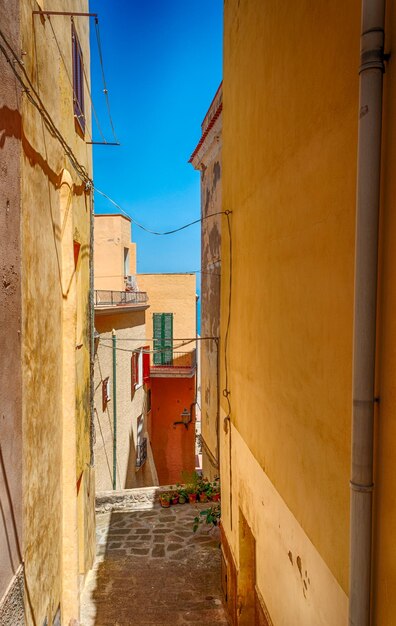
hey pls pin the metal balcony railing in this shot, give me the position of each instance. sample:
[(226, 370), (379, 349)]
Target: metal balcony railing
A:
[(141, 452), (171, 358), (115, 298)]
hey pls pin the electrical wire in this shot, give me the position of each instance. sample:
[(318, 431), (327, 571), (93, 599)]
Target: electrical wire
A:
[(159, 233), (105, 90), (90, 96), (80, 169), (28, 87)]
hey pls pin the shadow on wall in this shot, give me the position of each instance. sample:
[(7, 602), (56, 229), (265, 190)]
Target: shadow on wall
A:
[(12, 535)]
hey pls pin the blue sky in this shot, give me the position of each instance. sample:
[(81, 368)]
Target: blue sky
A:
[(163, 64)]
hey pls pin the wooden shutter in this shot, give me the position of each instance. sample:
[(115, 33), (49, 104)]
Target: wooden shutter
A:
[(146, 364), (134, 370), (157, 334), (168, 338), (78, 80)]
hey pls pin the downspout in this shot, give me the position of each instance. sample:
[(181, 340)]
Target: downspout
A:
[(114, 409), (365, 302)]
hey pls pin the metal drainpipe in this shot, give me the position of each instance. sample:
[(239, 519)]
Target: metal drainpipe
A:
[(114, 409), (365, 300)]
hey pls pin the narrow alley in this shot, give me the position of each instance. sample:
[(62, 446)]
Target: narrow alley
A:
[(151, 569)]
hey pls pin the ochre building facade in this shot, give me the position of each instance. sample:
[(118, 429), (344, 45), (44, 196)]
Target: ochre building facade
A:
[(290, 130), (47, 479)]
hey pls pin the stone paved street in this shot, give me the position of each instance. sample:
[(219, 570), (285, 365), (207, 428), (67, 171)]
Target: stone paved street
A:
[(151, 569)]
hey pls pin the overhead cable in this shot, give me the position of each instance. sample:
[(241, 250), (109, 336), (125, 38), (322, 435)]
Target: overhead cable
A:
[(105, 90), (154, 232)]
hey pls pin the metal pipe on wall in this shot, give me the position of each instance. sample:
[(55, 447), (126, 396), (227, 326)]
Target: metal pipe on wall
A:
[(114, 338), (365, 303)]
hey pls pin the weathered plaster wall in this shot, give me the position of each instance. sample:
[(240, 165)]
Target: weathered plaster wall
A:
[(207, 159), (129, 405), (289, 166), (10, 320), (173, 446), (55, 325), (112, 235)]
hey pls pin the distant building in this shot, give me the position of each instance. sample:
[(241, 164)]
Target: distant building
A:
[(155, 386), (120, 325), (171, 321), (207, 159), (47, 486)]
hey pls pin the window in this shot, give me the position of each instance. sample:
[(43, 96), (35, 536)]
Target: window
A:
[(137, 369), (141, 443), (78, 81), (148, 402), (163, 338), (126, 262)]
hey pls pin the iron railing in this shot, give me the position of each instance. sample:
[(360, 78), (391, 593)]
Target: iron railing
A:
[(172, 358), (141, 452), (114, 298)]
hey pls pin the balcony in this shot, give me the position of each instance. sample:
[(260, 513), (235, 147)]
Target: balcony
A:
[(106, 301), (175, 365)]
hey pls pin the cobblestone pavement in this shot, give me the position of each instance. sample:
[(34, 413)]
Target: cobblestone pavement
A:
[(151, 569)]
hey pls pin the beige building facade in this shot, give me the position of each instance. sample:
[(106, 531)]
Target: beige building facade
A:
[(47, 490), (123, 457)]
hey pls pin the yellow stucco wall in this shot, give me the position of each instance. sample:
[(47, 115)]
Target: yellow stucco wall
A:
[(289, 169), (112, 236), (55, 327), (172, 293)]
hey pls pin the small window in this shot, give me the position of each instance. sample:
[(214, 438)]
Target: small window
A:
[(126, 262), (136, 370), (141, 443), (78, 81)]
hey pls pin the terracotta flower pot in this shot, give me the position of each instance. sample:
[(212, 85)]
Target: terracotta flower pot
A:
[(165, 503), (215, 497), (192, 497), (203, 497)]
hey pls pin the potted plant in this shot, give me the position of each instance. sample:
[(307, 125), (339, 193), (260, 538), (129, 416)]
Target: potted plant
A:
[(183, 495), (174, 497), (192, 493), (165, 499)]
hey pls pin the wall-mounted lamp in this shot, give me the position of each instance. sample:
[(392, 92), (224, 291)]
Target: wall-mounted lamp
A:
[(185, 419)]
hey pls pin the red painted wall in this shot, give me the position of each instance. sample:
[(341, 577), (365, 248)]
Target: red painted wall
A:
[(173, 446)]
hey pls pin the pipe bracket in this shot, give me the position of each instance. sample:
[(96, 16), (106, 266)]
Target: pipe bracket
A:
[(361, 488)]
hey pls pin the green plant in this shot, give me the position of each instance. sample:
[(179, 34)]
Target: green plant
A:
[(165, 499), (210, 516)]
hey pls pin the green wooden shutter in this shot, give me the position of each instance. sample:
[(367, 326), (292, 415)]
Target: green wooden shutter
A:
[(157, 334), (168, 338), (163, 338)]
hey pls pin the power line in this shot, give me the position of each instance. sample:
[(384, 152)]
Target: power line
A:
[(105, 90), (28, 87), (154, 232)]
